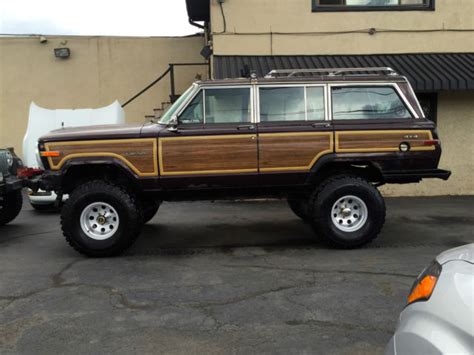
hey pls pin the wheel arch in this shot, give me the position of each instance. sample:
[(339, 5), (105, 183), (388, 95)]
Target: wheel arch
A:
[(333, 165), (78, 172)]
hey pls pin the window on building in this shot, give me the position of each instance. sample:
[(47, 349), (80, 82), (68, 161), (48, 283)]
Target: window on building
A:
[(288, 104), (362, 103), (351, 5), (218, 106), (429, 105)]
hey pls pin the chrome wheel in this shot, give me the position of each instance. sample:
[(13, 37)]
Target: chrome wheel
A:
[(349, 213), (99, 221)]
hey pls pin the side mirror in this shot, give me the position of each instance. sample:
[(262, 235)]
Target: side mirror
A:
[(173, 124)]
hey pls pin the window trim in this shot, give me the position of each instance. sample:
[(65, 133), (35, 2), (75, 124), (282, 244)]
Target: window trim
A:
[(408, 106), (304, 86), (316, 7)]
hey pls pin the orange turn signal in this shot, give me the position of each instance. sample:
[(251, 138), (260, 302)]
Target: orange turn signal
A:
[(423, 290), (51, 154), (424, 284)]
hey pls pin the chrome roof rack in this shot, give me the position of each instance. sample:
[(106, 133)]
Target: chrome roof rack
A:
[(329, 71)]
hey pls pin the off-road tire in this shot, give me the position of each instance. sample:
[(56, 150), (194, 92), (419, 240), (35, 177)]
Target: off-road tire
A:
[(300, 208), (10, 206), (50, 207), (325, 196), (123, 201), (150, 208)]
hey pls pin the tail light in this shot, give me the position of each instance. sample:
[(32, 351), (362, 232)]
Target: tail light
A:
[(425, 283), (28, 172), (432, 142)]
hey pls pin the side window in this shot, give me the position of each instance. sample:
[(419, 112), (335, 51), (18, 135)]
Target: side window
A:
[(227, 105), (315, 103), (282, 104), (356, 103), (288, 103), (193, 114)]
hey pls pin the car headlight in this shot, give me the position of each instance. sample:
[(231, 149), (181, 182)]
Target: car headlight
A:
[(9, 158), (425, 283)]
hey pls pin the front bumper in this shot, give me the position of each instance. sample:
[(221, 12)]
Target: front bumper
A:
[(404, 177)]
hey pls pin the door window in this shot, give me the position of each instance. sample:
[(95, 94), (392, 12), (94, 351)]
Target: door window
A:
[(194, 113), (361, 103), (228, 105), (291, 104), (218, 106)]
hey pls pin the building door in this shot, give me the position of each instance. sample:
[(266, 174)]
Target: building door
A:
[(215, 144), (293, 132)]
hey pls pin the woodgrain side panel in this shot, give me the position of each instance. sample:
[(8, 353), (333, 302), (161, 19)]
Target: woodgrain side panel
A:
[(293, 151), (138, 154), (381, 141), (208, 155)]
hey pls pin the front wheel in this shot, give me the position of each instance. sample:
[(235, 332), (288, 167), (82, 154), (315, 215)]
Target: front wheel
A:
[(101, 219), (10, 206), (347, 212), (150, 208)]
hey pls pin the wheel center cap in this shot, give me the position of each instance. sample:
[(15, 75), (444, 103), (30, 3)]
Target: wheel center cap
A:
[(101, 220), (346, 212)]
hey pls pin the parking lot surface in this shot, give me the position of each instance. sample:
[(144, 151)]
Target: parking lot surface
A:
[(223, 277)]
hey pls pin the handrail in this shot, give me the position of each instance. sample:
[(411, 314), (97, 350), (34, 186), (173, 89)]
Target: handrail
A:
[(170, 71), (148, 87)]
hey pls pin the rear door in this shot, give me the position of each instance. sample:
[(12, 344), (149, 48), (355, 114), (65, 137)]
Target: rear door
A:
[(293, 131), (215, 144)]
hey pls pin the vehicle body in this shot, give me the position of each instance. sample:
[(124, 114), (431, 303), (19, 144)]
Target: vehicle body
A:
[(11, 199), (442, 320), (329, 139), (42, 121)]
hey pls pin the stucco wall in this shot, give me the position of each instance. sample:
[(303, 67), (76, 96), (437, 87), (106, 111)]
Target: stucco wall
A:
[(292, 21), (99, 71), (456, 127)]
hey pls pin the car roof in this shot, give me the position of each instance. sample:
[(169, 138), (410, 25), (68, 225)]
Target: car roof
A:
[(308, 79)]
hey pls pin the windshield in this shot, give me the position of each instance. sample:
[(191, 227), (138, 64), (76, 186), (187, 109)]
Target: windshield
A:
[(174, 107)]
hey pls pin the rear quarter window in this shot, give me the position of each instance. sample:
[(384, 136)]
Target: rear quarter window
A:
[(368, 102)]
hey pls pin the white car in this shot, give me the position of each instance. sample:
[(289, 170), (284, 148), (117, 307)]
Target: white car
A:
[(439, 316), (42, 121)]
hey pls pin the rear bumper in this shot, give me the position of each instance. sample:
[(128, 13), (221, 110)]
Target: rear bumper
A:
[(404, 177), (10, 183)]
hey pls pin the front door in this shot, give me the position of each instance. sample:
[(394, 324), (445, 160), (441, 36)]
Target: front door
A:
[(293, 132), (215, 144)]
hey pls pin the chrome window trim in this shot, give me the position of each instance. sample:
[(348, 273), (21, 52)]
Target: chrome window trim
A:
[(417, 101), (303, 85), (358, 84)]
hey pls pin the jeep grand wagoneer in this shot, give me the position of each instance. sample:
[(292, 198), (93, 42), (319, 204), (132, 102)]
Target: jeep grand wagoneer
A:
[(325, 139)]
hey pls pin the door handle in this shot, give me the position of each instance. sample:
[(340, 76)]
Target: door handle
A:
[(321, 124), (248, 127)]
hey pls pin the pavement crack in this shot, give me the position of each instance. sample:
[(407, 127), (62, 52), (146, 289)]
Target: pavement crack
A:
[(322, 271), (339, 325)]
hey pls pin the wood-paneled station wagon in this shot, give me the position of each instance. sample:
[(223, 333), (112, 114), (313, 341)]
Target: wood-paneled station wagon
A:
[(323, 139)]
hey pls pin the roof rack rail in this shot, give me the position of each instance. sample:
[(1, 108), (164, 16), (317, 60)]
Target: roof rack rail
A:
[(329, 71)]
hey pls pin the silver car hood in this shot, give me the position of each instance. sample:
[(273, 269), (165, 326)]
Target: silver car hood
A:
[(464, 253)]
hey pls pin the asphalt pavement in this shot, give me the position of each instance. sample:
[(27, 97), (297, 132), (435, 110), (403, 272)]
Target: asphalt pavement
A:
[(217, 278)]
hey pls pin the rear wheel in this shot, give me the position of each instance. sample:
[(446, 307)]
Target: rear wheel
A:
[(347, 212), (10, 206), (300, 207), (101, 219)]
